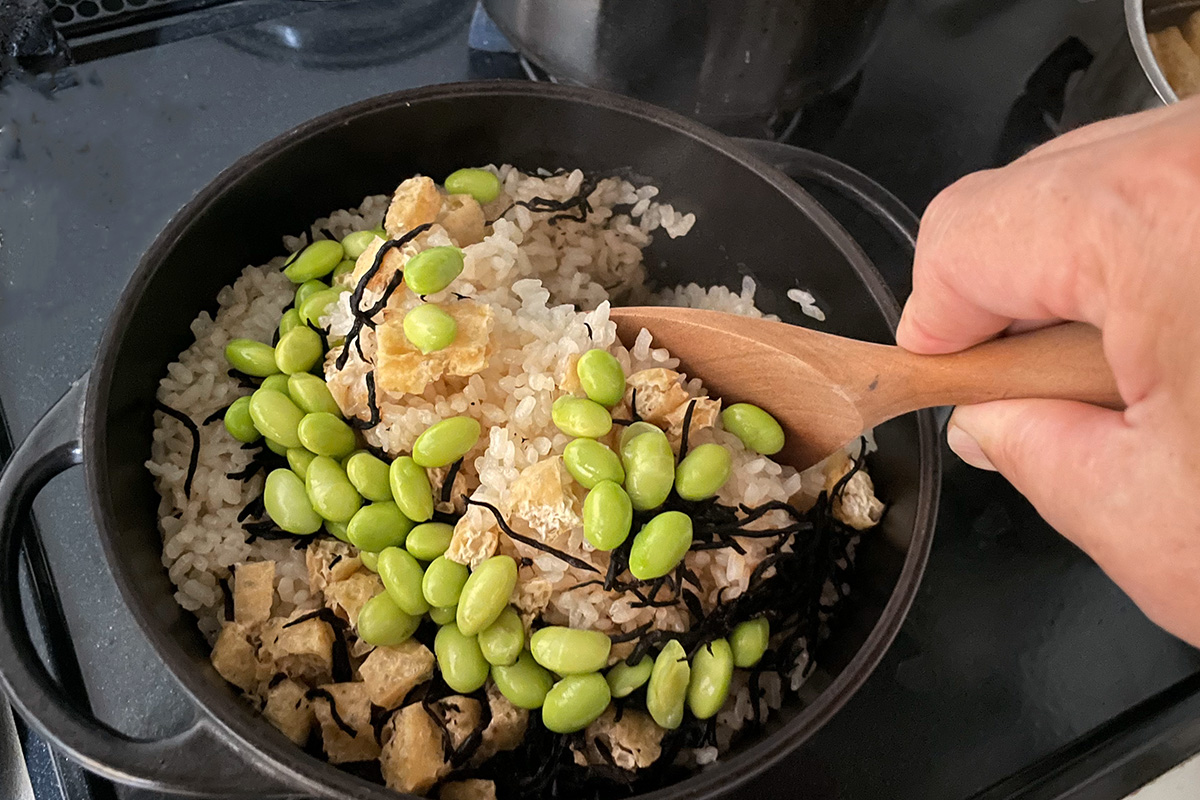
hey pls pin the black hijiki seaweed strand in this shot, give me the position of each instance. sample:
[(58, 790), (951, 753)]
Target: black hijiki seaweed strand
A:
[(448, 484), (227, 595), (328, 234), (219, 414), (244, 381), (194, 458), (534, 543), (342, 671), (314, 694), (687, 428), (560, 208), (321, 332), (372, 405)]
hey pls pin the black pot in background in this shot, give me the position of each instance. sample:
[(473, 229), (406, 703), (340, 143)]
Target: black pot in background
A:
[(742, 66), (752, 219)]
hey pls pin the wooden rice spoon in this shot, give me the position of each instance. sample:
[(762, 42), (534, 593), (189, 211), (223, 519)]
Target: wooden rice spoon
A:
[(826, 390)]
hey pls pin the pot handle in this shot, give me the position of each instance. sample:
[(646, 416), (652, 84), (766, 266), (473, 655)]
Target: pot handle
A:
[(182, 762)]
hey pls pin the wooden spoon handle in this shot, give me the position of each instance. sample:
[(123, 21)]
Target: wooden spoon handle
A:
[(1063, 362)]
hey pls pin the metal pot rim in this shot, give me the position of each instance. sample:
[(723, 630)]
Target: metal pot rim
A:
[(1135, 21)]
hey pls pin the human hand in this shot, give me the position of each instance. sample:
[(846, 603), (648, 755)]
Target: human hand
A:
[(1101, 225)]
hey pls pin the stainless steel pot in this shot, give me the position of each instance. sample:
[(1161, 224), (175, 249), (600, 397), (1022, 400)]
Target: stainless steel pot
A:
[(734, 64)]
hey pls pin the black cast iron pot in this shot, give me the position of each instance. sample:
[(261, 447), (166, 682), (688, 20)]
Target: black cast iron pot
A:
[(752, 219)]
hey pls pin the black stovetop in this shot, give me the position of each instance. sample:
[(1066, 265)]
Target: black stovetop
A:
[(1021, 670)]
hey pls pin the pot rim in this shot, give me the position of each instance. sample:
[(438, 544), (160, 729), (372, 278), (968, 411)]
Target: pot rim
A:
[(1135, 21), (276, 755)]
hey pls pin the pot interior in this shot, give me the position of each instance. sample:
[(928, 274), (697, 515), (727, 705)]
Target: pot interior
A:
[(749, 222)]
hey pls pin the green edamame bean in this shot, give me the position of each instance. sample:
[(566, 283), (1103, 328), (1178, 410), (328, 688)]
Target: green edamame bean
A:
[(326, 435), (443, 616), (649, 469), (251, 357), (667, 690), (311, 394), (607, 516), (443, 582), (298, 459), (757, 429), (575, 702), (432, 270), (486, 594), (287, 505), (317, 305), (411, 489), (298, 351), (382, 623), (370, 561), (369, 476), (570, 651), (429, 540), (356, 243), (401, 576), (577, 416), (624, 680), (276, 416), (601, 376), (660, 545), (289, 320), (630, 431), (445, 442), (749, 641), (703, 472), (479, 183), (307, 290), (315, 261), (712, 672), (430, 328), (591, 462), (344, 268), (277, 382), (460, 660), (339, 530), (330, 491), (238, 421), (524, 683), (378, 526), (275, 447), (503, 640)]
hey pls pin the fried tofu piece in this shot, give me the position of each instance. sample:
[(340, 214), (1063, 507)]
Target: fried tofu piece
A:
[(416, 201), (253, 591), (288, 709), (856, 505), (1191, 31), (303, 650), (569, 382), (544, 497), (354, 738), (659, 392), (1179, 62), (329, 560), (403, 369), (347, 597), (704, 415), (233, 656), (413, 758), (506, 729), (462, 716), (634, 741), (390, 673), (475, 538), (472, 789), (393, 260), (463, 219), (532, 597)]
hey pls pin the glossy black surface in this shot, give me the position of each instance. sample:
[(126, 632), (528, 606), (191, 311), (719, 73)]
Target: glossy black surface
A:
[(1019, 658)]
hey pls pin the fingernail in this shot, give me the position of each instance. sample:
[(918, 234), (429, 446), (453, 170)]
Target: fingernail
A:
[(966, 448)]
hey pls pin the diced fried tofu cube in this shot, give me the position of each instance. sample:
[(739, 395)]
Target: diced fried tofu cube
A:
[(415, 202), (300, 650), (704, 415), (346, 597), (462, 217), (569, 383), (390, 673), (233, 656), (544, 497), (403, 369), (856, 504), (506, 729), (346, 735), (532, 597), (414, 756), (475, 537), (658, 393), (1180, 63), (329, 560), (634, 741), (289, 710), (472, 789), (393, 260), (253, 591), (461, 715)]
